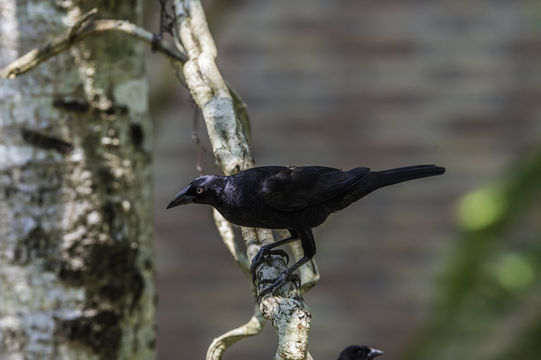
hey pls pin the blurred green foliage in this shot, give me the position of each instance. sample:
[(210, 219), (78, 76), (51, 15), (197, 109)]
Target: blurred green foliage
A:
[(489, 300)]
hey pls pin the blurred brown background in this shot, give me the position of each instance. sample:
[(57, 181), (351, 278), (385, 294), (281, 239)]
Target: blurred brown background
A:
[(382, 84)]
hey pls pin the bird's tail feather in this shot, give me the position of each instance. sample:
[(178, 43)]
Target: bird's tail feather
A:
[(398, 175), (377, 179)]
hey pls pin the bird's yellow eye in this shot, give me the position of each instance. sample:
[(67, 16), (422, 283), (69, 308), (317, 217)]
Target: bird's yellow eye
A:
[(199, 191)]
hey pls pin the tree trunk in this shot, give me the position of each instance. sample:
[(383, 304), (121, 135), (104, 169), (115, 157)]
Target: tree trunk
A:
[(76, 255)]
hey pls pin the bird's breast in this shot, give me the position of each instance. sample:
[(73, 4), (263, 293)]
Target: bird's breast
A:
[(270, 218), (252, 218)]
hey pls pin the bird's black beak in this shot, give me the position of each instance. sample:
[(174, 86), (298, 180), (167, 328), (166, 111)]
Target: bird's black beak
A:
[(374, 352), (181, 198)]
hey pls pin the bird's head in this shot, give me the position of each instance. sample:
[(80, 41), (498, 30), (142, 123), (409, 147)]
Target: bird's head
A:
[(203, 190), (356, 352)]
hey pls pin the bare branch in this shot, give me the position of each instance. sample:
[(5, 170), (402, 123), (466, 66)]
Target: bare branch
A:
[(83, 30), (287, 311), (221, 343), (79, 22)]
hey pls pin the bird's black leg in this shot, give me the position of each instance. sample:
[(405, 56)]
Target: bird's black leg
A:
[(309, 248), (265, 251)]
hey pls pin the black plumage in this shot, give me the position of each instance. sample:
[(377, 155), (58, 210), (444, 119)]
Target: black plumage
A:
[(293, 198), (356, 352)]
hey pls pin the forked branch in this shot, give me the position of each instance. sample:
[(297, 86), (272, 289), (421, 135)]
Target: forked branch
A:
[(82, 29)]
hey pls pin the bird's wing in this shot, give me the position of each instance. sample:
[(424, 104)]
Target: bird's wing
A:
[(292, 189)]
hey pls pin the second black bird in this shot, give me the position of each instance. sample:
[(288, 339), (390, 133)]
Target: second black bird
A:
[(356, 352), (293, 198)]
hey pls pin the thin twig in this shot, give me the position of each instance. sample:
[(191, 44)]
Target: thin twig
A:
[(221, 343), (54, 47), (84, 18)]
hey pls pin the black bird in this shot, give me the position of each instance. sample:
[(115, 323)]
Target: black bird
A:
[(356, 352), (293, 198)]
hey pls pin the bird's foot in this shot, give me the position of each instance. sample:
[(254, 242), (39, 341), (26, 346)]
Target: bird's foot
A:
[(277, 282), (261, 256)]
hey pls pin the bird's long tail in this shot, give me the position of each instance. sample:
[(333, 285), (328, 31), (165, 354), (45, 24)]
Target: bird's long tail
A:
[(377, 179), (398, 175)]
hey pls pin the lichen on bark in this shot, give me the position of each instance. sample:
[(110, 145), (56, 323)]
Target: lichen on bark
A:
[(76, 256)]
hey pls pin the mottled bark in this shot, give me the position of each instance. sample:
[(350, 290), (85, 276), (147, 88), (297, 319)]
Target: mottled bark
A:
[(76, 257)]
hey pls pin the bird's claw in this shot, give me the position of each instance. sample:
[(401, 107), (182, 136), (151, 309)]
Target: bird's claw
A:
[(261, 256), (277, 282)]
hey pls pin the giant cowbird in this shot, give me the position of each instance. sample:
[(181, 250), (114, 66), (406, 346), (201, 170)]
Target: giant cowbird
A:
[(293, 198), (356, 352)]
